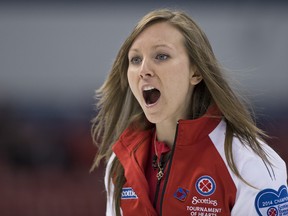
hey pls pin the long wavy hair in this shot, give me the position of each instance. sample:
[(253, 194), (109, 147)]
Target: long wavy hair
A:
[(117, 107)]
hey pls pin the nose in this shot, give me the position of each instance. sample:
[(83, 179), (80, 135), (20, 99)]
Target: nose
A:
[(146, 69)]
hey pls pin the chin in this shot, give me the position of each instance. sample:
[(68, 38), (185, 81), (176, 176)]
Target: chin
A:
[(154, 119)]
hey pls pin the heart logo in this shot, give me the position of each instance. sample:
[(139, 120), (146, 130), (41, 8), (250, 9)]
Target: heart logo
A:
[(205, 185), (181, 194), (271, 202)]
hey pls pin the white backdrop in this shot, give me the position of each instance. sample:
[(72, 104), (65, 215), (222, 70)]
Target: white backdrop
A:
[(53, 53)]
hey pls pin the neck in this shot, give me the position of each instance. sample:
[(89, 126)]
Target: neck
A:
[(166, 133)]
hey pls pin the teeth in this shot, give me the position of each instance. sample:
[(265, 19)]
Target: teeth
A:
[(147, 88)]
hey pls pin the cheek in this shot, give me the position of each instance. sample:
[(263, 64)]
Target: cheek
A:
[(180, 88), (132, 82), (183, 91), (130, 78)]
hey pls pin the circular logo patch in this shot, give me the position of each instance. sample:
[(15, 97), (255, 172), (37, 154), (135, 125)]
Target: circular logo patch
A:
[(205, 185), (272, 211)]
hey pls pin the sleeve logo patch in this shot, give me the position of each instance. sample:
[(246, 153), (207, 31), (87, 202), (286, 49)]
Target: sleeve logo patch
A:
[(128, 193), (271, 202)]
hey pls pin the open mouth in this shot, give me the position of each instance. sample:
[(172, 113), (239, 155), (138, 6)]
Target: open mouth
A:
[(151, 95)]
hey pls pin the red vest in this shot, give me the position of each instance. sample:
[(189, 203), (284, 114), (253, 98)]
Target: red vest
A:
[(197, 181)]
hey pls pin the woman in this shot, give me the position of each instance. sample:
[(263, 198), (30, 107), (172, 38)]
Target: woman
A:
[(177, 139)]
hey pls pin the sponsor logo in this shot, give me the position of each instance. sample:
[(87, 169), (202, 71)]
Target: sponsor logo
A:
[(205, 185), (128, 193), (208, 201), (181, 194), (271, 202), (204, 207)]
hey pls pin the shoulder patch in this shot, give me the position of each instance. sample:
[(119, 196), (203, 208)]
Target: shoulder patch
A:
[(128, 193), (271, 202)]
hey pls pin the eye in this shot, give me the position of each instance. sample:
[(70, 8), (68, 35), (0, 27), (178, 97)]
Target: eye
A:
[(162, 57), (135, 60)]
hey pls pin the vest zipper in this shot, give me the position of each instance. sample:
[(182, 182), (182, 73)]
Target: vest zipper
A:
[(168, 169), (156, 193), (159, 182)]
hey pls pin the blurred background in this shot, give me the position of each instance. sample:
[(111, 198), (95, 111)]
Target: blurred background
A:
[(54, 54)]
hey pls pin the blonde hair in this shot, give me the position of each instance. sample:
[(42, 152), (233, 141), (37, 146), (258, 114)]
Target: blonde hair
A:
[(117, 107)]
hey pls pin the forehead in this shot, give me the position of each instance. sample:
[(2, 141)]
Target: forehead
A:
[(161, 33)]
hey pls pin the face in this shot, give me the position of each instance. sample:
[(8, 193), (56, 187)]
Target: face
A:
[(160, 74)]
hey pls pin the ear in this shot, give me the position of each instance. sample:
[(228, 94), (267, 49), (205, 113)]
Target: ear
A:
[(195, 76)]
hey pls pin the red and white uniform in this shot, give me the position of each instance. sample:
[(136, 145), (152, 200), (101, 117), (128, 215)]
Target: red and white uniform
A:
[(198, 180)]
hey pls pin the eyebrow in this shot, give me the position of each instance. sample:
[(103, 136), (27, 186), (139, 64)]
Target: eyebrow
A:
[(162, 45), (154, 47)]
